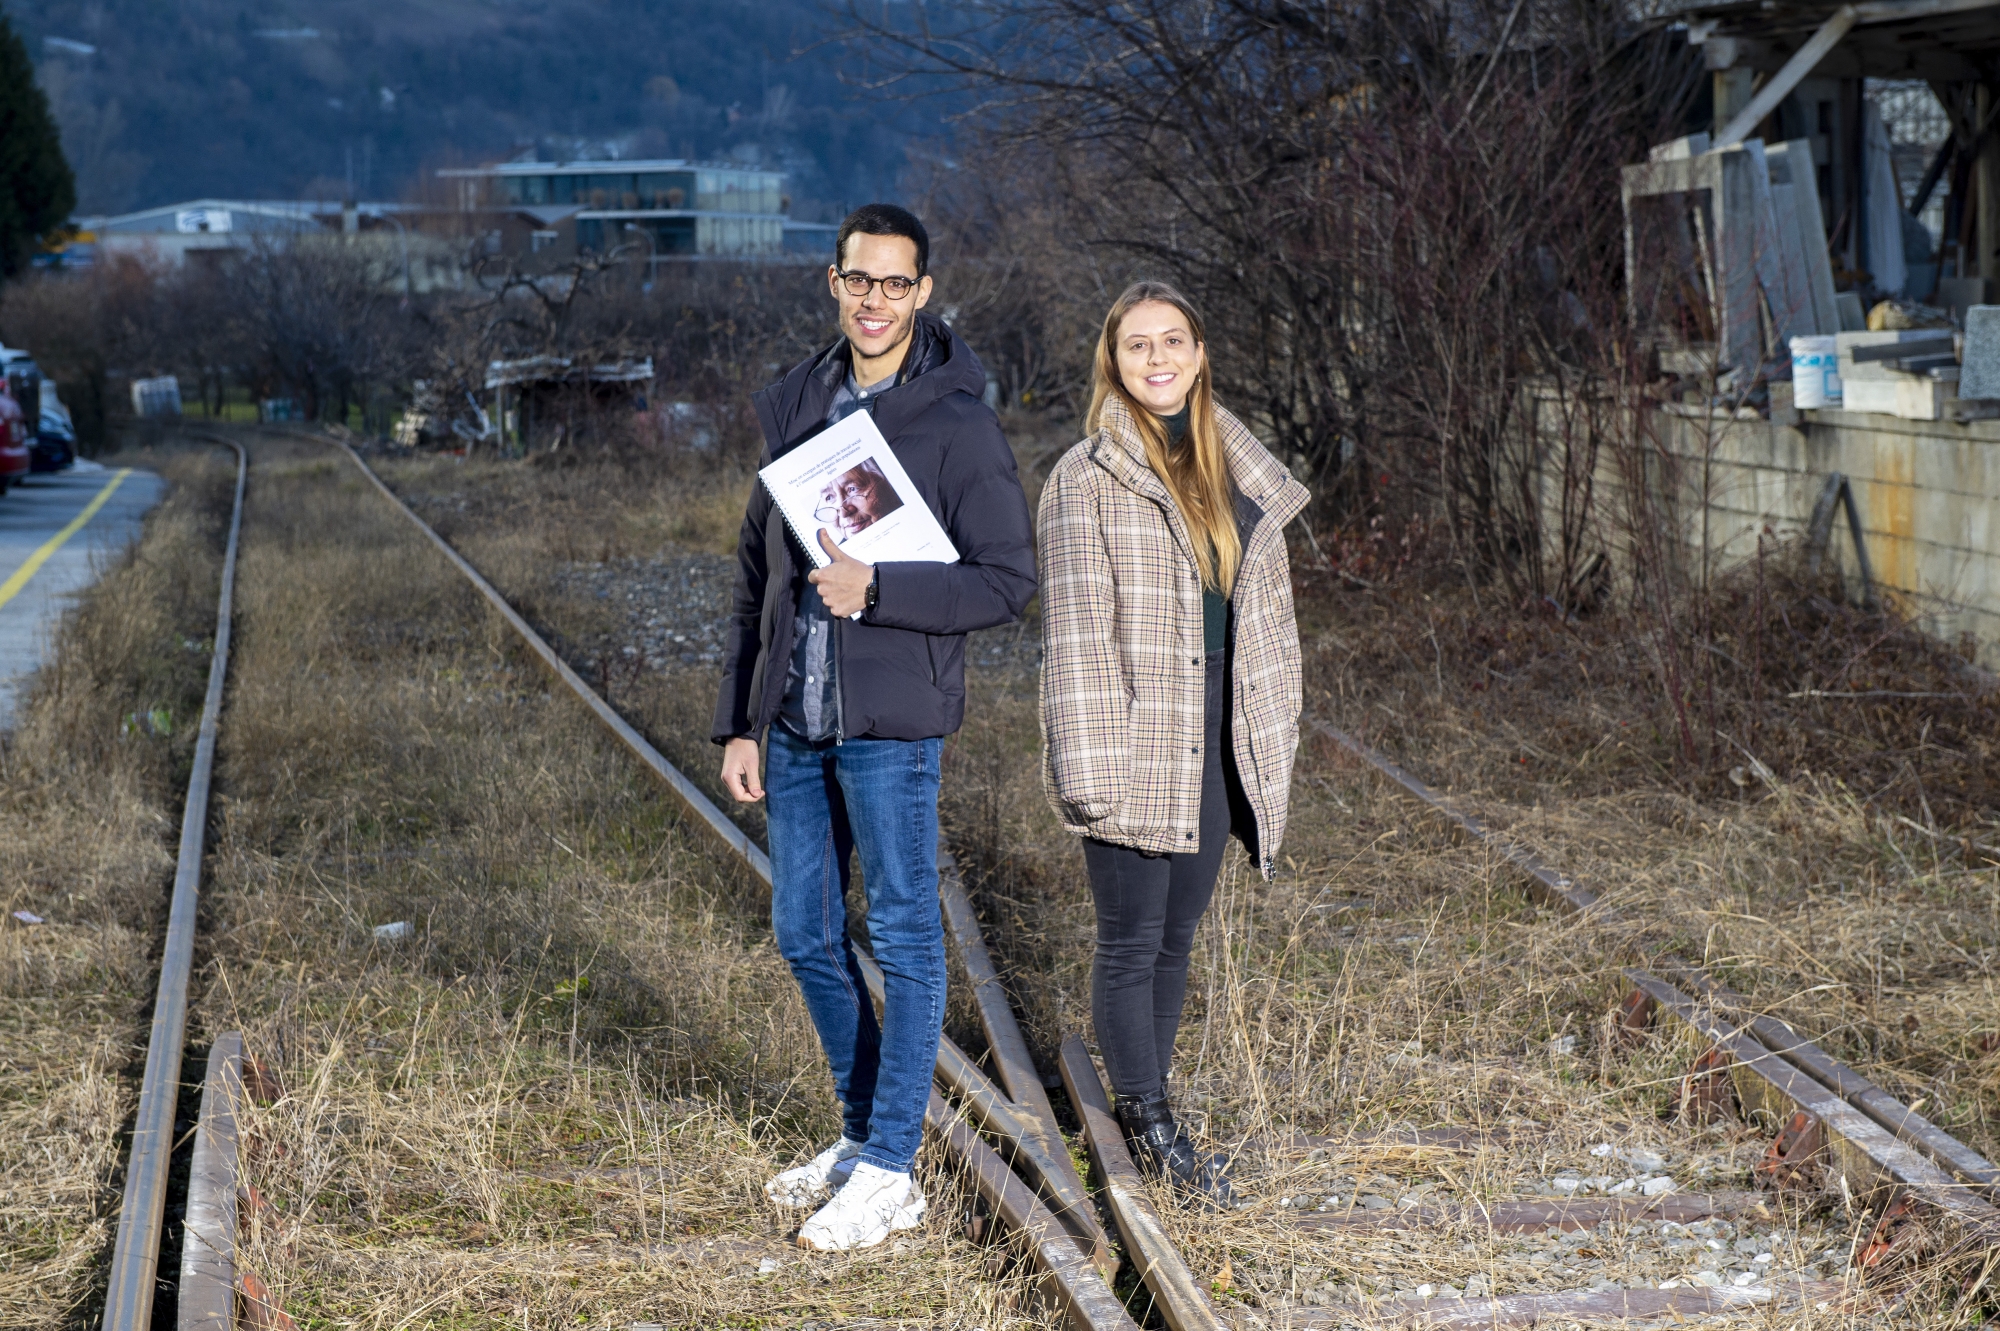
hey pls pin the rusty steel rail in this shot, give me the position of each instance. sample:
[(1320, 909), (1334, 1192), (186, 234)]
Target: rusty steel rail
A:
[(1069, 1280), (1857, 1144), (698, 804), (1782, 1067), (208, 1243), (135, 1257), (992, 1110), (1857, 1090), (1176, 1293), (1545, 884), (1016, 1070)]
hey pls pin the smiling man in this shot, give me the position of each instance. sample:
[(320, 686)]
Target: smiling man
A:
[(854, 711)]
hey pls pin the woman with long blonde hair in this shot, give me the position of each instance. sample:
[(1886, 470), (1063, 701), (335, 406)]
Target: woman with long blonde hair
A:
[(1170, 683)]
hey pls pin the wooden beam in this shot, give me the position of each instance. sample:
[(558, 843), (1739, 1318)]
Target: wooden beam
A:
[(1780, 84), (1864, 1154)]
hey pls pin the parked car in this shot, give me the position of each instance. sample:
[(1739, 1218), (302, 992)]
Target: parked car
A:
[(54, 446), (55, 439), (16, 451)]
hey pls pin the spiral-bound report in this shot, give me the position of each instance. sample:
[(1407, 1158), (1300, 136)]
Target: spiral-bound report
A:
[(846, 481)]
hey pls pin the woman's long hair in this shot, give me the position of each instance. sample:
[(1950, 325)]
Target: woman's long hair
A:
[(1197, 474)]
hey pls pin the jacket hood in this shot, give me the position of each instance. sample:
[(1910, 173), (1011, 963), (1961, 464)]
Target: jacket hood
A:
[(939, 363), (1259, 478)]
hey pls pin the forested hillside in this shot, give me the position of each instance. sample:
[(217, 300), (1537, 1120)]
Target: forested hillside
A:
[(161, 101)]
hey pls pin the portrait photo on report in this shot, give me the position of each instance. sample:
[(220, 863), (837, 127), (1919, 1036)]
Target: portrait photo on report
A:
[(857, 499)]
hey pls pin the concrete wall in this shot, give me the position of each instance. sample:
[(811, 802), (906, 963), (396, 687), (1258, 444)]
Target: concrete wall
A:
[(1929, 493)]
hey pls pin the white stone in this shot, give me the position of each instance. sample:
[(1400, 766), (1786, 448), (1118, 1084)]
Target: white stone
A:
[(1657, 1187), (1708, 1278)]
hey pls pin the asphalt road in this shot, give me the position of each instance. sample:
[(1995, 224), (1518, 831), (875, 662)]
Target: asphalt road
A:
[(57, 533)]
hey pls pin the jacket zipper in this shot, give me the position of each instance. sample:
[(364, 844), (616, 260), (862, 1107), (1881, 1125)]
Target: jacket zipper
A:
[(839, 685)]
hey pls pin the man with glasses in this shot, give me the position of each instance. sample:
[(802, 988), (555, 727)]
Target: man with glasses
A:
[(854, 674)]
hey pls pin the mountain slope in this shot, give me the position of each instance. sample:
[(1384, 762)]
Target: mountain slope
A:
[(206, 97)]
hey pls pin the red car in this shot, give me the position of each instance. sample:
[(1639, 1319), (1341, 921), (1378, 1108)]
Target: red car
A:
[(16, 440)]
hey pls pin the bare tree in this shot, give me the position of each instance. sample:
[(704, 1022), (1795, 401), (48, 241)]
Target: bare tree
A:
[(1401, 219)]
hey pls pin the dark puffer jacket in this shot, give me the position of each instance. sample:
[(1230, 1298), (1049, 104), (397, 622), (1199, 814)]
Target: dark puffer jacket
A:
[(901, 667)]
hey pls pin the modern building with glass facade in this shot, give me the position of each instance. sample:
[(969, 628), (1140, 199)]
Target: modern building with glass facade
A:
[(677, 209)]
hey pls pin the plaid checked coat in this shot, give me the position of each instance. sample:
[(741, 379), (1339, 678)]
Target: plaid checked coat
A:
[(1122, 663)]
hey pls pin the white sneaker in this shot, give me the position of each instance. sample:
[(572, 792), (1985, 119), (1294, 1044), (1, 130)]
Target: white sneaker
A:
[(870, 1206), (808, 1184)]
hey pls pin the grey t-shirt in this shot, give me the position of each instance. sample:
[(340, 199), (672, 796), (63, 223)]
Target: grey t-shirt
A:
[(811, 707)]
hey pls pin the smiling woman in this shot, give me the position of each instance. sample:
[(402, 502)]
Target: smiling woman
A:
[(1164, 528)]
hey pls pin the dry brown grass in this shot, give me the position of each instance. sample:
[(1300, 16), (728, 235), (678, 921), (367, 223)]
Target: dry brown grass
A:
[(89, 799)]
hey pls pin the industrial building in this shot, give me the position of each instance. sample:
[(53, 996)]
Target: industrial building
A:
[(671, 208), (176, 231)]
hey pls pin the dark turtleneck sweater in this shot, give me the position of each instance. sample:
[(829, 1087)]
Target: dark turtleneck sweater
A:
[(1214, 606)]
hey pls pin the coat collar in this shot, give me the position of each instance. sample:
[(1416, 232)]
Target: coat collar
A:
[(938, 364), (1259, 478)]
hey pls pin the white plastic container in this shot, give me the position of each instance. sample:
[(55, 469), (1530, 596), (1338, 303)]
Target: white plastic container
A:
[(1815, 372)]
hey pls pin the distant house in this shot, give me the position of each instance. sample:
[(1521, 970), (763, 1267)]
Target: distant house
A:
[(665, 209)]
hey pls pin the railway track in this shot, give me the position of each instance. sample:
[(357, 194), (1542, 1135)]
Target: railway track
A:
[(1033, 1188), (206, 1284), (1084, 1245), (1835, 1129)]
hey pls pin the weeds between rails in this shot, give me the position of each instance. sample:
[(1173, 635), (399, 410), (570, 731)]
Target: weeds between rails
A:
[(557, 1098), (1834, 1125), (1066, 1243)]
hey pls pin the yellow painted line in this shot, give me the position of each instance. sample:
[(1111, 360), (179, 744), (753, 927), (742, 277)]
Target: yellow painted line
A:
[(14, 584)]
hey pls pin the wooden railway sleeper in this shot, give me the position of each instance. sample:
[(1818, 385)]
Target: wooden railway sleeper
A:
[(1853, 1087)]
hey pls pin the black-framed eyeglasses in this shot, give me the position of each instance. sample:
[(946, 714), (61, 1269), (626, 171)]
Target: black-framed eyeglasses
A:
[(859, 284)]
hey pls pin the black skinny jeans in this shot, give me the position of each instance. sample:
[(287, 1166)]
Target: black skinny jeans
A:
[(1148, 907)]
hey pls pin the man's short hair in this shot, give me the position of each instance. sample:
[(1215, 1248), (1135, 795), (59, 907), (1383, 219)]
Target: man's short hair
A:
[(884, 219)]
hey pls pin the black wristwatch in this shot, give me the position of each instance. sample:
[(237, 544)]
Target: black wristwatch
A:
[(874, 590)]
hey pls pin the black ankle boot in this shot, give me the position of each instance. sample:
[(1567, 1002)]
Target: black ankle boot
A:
[(1164, 1149)]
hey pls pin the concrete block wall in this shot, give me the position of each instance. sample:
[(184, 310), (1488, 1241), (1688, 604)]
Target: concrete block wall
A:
[(1928, 492)]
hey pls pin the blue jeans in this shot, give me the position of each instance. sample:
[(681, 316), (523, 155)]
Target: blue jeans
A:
[(877, 797)]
